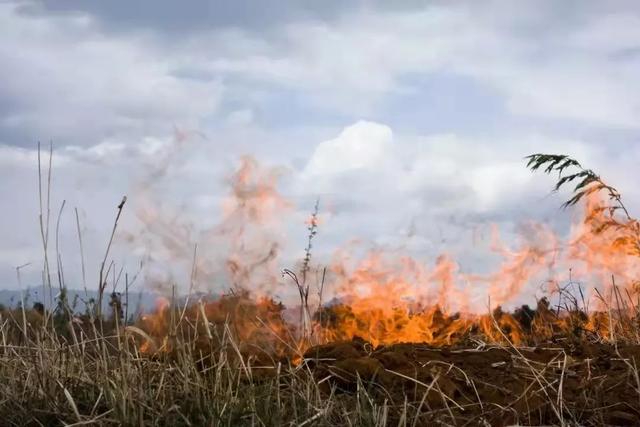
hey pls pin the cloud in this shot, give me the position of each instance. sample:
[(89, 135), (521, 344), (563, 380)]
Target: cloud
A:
[(68, 76), (614, 34), (242, 117), (479, 173), (363, 145), (335, 93), (549, 69), (64, 80), (177, 19)]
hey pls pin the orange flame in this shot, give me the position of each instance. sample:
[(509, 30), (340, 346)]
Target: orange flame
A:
[(388, 298)]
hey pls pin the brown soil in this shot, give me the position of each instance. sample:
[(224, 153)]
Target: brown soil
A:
[(577, 384)]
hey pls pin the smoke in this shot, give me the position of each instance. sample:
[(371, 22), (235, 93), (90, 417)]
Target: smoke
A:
[(238, 250)]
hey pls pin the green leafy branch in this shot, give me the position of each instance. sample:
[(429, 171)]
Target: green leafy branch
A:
[(588, 182)]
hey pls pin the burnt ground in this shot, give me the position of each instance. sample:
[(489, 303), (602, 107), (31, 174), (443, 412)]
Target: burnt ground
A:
[(568, 383)]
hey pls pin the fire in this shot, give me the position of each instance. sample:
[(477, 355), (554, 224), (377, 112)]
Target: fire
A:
[(257, 325), (388, 298)]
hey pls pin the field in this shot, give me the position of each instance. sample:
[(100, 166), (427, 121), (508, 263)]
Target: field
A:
[(367, 358), (86, 377)]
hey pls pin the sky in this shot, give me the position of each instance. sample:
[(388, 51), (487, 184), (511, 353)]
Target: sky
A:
[(407, 120)]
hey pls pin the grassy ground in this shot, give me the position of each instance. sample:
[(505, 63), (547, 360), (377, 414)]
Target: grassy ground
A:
[(48, 378), (63, 370)]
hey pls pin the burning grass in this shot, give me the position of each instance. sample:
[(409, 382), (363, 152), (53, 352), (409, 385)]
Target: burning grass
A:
[(230, 362), (398, 344)]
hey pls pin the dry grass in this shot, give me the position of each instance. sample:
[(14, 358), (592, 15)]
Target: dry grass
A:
[(49, 379), (60, 369), (55, 373)]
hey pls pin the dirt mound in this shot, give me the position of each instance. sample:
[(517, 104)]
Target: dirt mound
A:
[(585, 384)]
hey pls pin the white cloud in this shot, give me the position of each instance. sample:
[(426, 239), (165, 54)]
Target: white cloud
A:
[(609, 33), (242, 117), (363, 145), (375, 184), (65, 80), (543, 69), (15, 157)]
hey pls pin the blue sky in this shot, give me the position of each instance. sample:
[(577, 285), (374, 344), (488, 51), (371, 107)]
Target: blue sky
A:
[(414, 115)]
